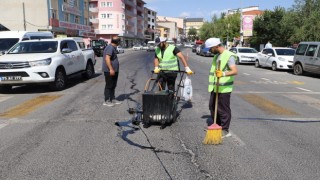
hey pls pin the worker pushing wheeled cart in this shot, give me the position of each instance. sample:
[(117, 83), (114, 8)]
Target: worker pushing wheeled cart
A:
[(159, 104)]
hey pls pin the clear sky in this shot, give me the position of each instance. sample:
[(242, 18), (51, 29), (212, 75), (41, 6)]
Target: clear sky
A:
[(206, 8)]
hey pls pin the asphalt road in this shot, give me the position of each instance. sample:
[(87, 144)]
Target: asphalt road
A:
[(71, 135)]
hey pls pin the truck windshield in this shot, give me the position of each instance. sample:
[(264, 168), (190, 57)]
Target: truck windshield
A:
[(34, 47), (98, 43), (7, 43)]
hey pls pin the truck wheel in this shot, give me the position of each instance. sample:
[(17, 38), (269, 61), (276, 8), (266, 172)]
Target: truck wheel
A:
[(5, 88), (89, 72), (59, 81), (297, 69), (274, 66), (257, 64)]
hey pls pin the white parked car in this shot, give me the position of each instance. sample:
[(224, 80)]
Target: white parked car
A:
[(276, 58), (137, 47), (245, 54), (48, 61), (120, 50)]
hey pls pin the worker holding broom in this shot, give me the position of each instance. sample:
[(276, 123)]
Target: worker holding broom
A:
[(221, 77)]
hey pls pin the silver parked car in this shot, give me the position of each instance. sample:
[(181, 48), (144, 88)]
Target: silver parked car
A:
[(307, 58)]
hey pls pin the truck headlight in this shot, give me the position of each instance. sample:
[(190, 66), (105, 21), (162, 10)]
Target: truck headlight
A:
[(281, 59), (42, 62)]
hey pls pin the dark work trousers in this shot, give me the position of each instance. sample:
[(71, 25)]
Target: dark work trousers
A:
[(224, 111), (168, 79), (111, 83)]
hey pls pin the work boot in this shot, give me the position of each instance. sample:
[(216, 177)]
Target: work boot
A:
[(226, 133), (108, 103)]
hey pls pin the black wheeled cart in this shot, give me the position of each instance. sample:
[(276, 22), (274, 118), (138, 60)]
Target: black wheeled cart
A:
[(159, 105)]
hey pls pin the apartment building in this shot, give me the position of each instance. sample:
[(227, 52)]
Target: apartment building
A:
[(170, 27), (193, 23), (150, 24), (123, 18), (62, 17)]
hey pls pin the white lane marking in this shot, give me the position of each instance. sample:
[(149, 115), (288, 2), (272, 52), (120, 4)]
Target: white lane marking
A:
[(3, 98), (246, 74), (239, 141), (303, 89), (3, 125), (265, 79)]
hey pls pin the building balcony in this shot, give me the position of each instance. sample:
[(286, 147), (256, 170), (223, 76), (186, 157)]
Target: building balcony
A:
[(94, 21), (93, 9), (130, 13), (129, 23), (128, 34), (140, 18), (140, 8), (129, 2)]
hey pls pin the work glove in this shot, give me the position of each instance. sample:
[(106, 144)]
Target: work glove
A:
[(188, 70), (156, 70), (220, 73)]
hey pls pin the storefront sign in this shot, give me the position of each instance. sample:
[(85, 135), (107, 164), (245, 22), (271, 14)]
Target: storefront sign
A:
[(247, 25), (74, 26), (69, 9)]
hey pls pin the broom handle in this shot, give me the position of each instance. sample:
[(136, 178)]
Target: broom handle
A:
[(216, 100)]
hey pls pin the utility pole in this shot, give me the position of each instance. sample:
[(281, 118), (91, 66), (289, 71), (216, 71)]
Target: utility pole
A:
[(24, 18)]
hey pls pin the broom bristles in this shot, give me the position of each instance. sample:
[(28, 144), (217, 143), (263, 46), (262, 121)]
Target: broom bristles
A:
[(214, 135)]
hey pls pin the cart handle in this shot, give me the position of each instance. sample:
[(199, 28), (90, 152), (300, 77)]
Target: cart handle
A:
[(169, 71), (146, 87)]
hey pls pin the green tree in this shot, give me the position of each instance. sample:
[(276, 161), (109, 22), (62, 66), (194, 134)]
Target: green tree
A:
[(192, 34)]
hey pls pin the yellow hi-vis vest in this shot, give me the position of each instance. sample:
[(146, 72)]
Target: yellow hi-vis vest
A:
[(225, 83), (169, 61)]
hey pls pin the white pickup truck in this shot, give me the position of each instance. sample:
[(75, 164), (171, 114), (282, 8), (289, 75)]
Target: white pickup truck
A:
[(49, 61)]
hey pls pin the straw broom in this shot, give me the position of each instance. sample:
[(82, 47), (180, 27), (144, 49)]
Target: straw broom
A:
[(214, 132)]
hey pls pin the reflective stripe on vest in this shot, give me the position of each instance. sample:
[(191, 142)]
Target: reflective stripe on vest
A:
[(225, 83), (169, 61)]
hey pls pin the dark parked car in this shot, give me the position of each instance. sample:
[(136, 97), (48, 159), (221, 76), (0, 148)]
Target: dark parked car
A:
[(204, 51), (98, 46)]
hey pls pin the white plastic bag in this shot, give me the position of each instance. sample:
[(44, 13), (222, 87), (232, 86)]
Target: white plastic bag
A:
[(187, 90)]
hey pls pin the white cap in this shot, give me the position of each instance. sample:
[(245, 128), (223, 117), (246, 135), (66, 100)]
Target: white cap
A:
[(212, 42), (160, 40)]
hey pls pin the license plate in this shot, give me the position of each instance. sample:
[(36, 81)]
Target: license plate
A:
[(11, 78)]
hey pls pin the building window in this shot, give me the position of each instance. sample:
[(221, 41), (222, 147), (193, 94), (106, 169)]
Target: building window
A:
[(109, 4), (103, 4), (77, 19), (66, 17), (103, 26), (109, 16), (103, 16), (110, 26), (123, 16), (123, 6), (152, 27), (152, 20), (76, 4), (85, 5), (149, 19), (54, 14), (86, 21), (149, 12), (124, 28), (66, 1)]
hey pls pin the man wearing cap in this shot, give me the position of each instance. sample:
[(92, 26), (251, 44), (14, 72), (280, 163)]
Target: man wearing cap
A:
[(166, 59), (225, 73)]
